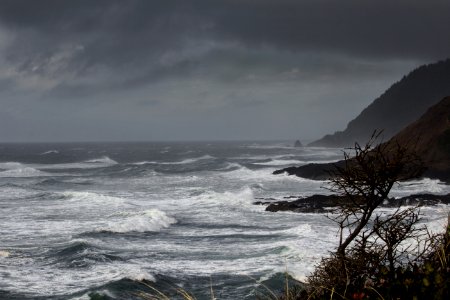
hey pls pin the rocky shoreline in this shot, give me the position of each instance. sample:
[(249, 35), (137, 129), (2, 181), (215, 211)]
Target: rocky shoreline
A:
[(323, 203), (316, 171)]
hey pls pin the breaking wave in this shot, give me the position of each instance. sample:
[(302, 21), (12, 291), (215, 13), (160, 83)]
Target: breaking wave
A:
[(101, 162), (424, 185), (105, 160), (182, 162), (151, 220), (16, 169), (50, 152)]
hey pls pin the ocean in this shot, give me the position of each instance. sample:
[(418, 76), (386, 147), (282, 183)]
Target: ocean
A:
[(86, 220)]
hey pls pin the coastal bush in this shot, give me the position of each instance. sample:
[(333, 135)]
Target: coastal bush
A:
[(379, 256)]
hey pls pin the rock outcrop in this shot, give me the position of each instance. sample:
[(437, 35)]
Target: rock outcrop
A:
[(298, 144), (323, 203)]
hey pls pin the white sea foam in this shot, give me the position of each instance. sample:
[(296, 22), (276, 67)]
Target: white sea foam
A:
[(262, 175), (196, 159), (13, 193), (280, 162), (101, 162), (4, 254), (425, 185), (225, 232), (92, 199), (50, 152), (190, 160), (10, 165), (148, 220), (23, 172), (145, 162), (243, 197), (16, 169), (231, 166), (104, 160), (136, 273), (274, 146), (47, 281), (182, 162), (300, 230)]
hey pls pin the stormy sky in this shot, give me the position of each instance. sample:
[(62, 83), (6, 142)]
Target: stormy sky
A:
[(205, 69)]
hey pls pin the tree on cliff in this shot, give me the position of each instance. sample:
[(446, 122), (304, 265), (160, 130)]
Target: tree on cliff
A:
[(373, 247)]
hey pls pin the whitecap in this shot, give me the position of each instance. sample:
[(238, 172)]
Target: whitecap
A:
[(231, 167), (193, 160), (23, 172), (91, 199), (300, 230), (50, 152), (280, 162), (145, 162), (421, 186), (4, 254), (275, 146), (9, 165), (182, 162), (144, 221), (102, 160), (241, 197), (137, 274)]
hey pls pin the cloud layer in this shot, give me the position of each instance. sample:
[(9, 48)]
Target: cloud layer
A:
[(177, 69)]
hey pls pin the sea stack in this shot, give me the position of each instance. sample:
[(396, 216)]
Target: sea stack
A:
[(298, 144)]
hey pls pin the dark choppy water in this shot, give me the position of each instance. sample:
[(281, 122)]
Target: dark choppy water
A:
[(77, 219)]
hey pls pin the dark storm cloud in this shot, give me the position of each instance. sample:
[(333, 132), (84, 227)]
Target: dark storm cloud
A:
[(127, 34), (138, 62)]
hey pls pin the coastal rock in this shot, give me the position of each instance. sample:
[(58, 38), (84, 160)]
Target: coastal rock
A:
[(323, 203), (310, 171), (298, 144), (312, 204)]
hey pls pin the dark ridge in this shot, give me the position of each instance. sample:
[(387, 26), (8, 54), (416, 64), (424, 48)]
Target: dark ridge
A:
[(400, 105), (428, 137)]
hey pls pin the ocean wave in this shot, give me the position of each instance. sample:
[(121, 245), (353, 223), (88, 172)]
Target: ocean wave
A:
[(137, 274), (424, 185), (46, 281), (102, 160), (9, 165), (4, 254), (182, 162), (191, 160), (145, 162), (300, 230), (92, 199), (151, 220), (264, 174), (281, 162), (50, 152), (243, 197), (231, 167), (275, 146), (23, 171), (80, 253), (17, 192)]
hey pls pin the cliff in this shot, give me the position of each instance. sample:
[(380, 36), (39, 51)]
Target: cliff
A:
[(428, 137), (401, 104)]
